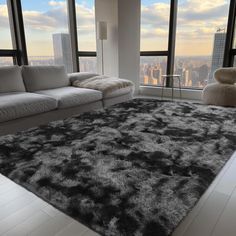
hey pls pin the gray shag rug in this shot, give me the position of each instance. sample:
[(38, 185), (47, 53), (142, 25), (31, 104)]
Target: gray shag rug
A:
[(136, 168)]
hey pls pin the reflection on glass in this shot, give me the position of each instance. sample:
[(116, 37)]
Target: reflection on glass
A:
[(5, 39), (85, 13), (47, 34), (234, 61), (6, 61), (88, 64), (154, 25)]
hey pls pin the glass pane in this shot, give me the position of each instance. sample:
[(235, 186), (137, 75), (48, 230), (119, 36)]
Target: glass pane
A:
[(88, 64), (47, 34), (154, 25), (6, 61), (85, 13), (5, 39), (151, 70), (200, 40), (234, 40)]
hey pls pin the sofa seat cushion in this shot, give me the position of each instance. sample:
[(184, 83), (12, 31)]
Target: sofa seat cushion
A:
[(71, 96), (18, 105)]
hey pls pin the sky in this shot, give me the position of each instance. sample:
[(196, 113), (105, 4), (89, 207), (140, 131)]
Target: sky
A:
[(198, 20)]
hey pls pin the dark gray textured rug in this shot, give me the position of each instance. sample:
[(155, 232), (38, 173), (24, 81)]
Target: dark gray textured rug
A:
[(136, 168)]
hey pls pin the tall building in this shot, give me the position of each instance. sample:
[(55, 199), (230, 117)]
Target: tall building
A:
[(62, 51), (218, 53)]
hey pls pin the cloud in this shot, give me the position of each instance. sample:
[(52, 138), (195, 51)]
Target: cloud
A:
[(4, 21), (56, 4), (197, 21), (55, 18), (207, 12), (156, 15)]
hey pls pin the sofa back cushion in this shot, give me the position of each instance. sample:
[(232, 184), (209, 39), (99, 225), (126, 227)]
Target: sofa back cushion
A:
[(44, 77), (11, 79)]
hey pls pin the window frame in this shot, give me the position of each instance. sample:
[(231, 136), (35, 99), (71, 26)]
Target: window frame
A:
[(76, 53), (170, 52), (229, 52), (19, 51)]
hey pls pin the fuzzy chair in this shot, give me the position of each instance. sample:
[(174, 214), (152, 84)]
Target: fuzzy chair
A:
[(222, 93)]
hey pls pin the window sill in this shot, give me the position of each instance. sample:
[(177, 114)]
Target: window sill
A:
[(189, 94)]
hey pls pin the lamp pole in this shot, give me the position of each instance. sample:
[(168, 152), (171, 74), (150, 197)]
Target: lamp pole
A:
[(102, 35), (102, 58)]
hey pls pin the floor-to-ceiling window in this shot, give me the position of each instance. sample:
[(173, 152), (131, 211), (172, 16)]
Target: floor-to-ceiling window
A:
[(86, 31), (200, 40), (5, 38), (154, 40), (47, 33)]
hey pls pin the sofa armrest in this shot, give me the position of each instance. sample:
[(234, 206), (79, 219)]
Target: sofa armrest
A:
[(80, 76)]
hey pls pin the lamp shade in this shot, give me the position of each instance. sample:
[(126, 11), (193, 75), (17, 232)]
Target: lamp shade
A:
[(102, 30)]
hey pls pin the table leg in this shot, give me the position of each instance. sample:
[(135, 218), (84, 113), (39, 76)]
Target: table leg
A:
[(163, 84), (180, 88), (172, 82)]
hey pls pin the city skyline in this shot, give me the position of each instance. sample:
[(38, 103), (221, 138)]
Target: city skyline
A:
[(195, 71)]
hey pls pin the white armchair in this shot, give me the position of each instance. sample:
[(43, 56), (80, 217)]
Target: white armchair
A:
[(222, 93)]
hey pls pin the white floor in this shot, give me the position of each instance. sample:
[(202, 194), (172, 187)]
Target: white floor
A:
[(22, 213)]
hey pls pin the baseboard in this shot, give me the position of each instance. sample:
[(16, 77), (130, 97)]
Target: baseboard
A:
[(189, 94)]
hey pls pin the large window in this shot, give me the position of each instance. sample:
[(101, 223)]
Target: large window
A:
[(154, 38), (86, 30), (200, 40), (47, 34)]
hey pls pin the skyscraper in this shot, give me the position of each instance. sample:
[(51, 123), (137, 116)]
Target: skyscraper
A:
[(218, 53), (62, 51)]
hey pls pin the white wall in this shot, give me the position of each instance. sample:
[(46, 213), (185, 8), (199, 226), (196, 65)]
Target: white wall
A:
[(129, 40), (106, 10), (122, 49)]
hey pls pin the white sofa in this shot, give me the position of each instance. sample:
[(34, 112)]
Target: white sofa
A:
[(35, 95)]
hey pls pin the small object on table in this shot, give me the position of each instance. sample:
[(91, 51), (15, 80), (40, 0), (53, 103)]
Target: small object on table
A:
[(172, 77)]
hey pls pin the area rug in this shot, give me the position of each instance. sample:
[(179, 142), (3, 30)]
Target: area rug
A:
[(136, 168)]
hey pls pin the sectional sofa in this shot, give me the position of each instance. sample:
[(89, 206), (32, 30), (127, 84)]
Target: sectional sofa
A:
[(35, 95)]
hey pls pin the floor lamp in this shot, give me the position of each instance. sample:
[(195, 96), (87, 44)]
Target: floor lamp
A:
[(102, 35)]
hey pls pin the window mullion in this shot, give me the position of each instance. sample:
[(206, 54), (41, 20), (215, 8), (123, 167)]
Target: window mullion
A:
[(73, 33), (228, 55), (172, 38), (17, 30)]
